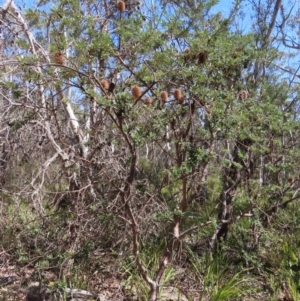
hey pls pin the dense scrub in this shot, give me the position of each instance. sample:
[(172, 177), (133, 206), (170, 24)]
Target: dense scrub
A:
[(155, 145)]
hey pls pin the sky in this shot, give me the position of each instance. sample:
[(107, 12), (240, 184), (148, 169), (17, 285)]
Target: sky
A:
[(244, 22), (23, 4), (223, 6)]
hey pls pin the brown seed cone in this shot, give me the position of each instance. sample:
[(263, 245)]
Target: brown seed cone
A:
[(148, 101), (177, 94), (187, 54), (164, 96), (136, 92), (111, 87), (121, 6), (59, 58), (104, 84), (243, 95), (202, 57)]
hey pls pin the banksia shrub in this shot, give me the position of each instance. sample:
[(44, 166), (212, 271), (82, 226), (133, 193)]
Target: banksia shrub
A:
[(178, 95), (121, 6), (164, 96), (136, 92), (243, 95), (59, 58), (104, 84), (148, 101)]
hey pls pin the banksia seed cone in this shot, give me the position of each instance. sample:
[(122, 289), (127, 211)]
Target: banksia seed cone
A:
[(202, 57), (136, 92), (178, 96), (187, 54), (243, 95), (111, 87), (148, 101), (121, 6), (164, 96), (104, 84), (59, 58)]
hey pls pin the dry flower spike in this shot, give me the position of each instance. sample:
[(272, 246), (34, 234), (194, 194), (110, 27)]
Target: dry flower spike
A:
[(59, 58), (136, 92), (104, 84), (148, 101), (243, 95), (164, 96), (187, 54), (178, 96), (202, 57), (121, 6), (111, 87)]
